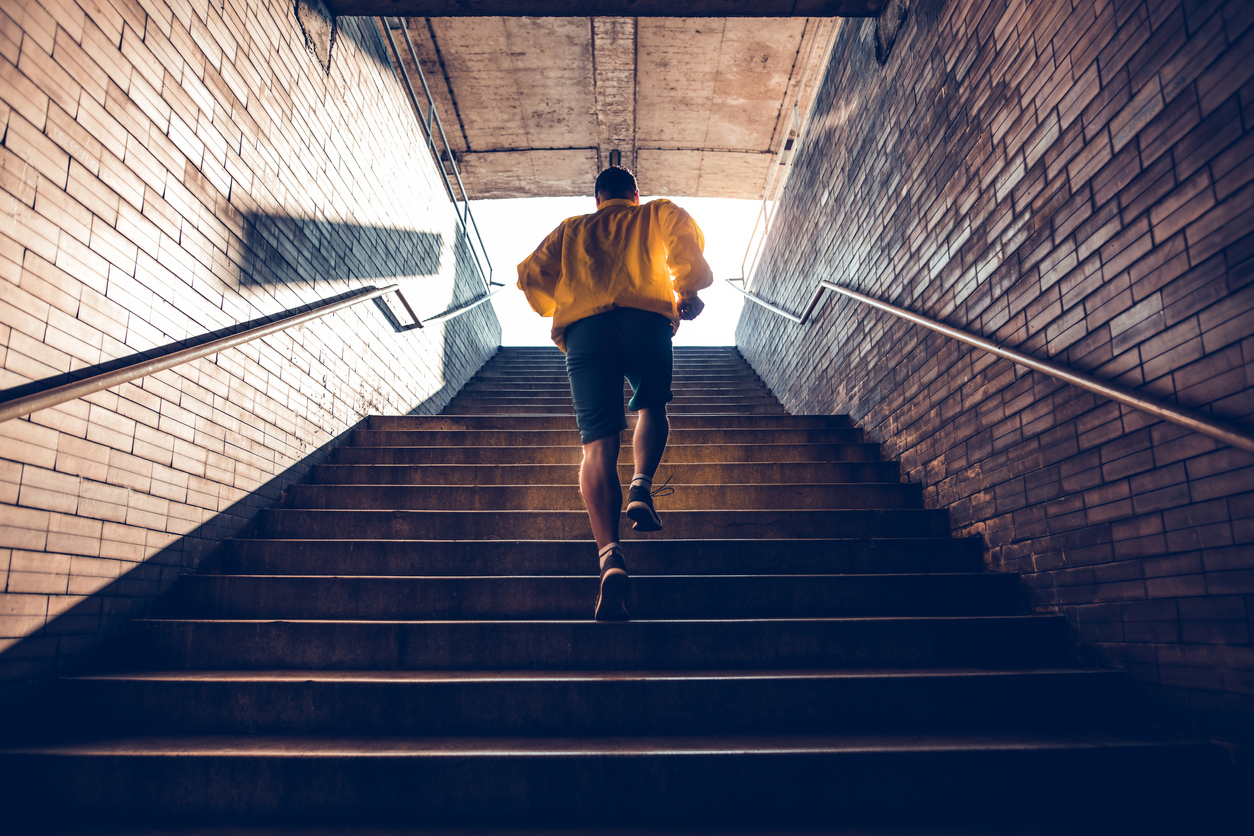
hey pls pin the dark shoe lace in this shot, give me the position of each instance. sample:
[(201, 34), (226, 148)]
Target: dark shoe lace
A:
[(662, 491)]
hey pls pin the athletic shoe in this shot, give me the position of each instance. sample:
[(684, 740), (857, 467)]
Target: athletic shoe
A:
[(615, 588), (640, 506)]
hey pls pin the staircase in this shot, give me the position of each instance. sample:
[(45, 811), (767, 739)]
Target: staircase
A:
[(408, 638)]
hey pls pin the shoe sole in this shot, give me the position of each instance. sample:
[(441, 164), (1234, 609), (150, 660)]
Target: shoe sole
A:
[(643, 517), (612, 602)]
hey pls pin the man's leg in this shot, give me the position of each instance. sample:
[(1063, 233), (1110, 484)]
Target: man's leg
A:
[(649, 441), (602, 493), (652, 381), (648, 444), (603, 497), (594, 366)]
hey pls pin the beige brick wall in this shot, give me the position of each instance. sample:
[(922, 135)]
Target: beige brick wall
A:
[(1077, 180), (167, 170)]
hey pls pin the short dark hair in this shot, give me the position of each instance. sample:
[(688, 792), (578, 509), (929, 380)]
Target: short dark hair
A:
[(616, 182)]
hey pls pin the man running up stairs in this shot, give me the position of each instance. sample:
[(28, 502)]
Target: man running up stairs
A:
[(409, 639)]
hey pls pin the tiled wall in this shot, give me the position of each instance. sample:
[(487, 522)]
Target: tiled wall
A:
[(1074, 179), (168, 170)]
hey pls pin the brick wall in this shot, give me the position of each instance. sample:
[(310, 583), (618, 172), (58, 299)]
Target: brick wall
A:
[(168, 170), (1073, 179)]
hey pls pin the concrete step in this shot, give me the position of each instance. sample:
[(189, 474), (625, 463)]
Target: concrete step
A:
[(696, 780), (571, 453), (620, 703), (742, 473), (573, 557), (680, 359), (546, 438), (556, 396), (556, 376), (1018, 641), (559, 360), (682, 372), (540, 350), (558, 409), (556, 385), (390, 598), (722, 497), (526, 386), (573, 525), (540, 422), (725, 404)]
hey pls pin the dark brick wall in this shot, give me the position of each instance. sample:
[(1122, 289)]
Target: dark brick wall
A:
[(170, 168), (1073, 179)]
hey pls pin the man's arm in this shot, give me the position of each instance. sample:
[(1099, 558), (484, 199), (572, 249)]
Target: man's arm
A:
[(539, 273), (689, 270), (690, 307)]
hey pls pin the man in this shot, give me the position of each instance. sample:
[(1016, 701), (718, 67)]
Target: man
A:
[(617, 283)]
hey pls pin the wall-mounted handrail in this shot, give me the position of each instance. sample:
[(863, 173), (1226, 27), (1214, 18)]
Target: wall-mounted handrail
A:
[(467, 307), (27, 404), (431, 128), (1195, 421)]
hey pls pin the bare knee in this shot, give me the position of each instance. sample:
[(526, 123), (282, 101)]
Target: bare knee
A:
[(600, 458), (601, 449), (653, 419)]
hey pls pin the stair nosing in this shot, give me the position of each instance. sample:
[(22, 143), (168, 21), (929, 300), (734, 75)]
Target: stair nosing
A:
[(622, 746)]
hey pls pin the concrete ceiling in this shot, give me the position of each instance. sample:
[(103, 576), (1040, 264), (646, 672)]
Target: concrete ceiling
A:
[(639, 8), (533, 106)]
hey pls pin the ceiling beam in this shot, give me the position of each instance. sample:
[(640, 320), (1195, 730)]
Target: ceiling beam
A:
[(614, 63), (612, 8)]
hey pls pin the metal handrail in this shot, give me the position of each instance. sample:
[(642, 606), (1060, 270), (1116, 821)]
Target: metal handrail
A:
[(1220, 430), (431, 126), (82, 388), (469, 306)]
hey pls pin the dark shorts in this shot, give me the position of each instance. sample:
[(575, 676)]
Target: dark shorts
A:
[(603, 349)]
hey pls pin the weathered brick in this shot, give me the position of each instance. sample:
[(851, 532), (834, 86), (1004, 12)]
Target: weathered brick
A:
[(42, 154), (49, 77), (23, 96)]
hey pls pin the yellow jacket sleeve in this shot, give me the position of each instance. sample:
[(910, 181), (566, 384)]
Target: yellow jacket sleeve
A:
[(539, 273), (684, 245)]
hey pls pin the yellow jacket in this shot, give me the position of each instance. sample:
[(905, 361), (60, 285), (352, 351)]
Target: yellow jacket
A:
[(623, 255)]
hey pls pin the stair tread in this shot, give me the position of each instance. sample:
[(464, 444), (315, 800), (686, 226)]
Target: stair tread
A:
[(424, 676), (575, 484), (726, 745), (589, 624), (763, 576)]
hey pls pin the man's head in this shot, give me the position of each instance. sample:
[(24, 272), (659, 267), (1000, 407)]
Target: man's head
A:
[(616, 183)]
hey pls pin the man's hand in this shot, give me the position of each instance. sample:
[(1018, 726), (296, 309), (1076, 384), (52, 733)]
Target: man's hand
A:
[(691, 307)]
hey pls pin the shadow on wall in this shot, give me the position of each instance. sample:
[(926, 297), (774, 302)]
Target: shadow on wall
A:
[(371, 45), (286, 248), (70, 641), (297, 247), (460, 333)]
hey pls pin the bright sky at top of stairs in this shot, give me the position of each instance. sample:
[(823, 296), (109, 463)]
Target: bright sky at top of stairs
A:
[(513, 228)]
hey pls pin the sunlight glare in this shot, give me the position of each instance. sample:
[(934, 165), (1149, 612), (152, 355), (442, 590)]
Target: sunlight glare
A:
[(513, 228)]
